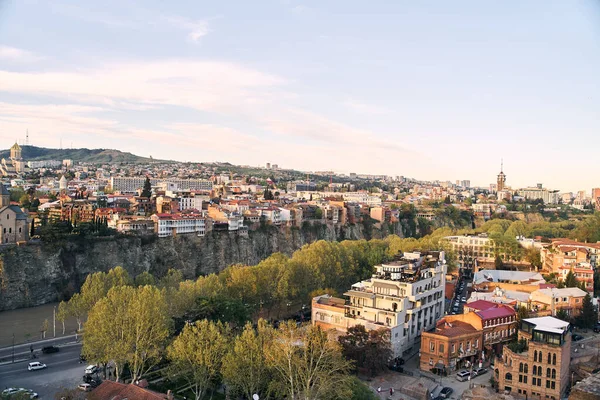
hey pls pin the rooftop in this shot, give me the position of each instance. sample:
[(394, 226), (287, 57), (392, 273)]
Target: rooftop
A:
[(497, 311), (548, 324), (454, 328)]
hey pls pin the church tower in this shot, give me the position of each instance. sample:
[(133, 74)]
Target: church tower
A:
[(4, 196), (15, 152), (501, 178)]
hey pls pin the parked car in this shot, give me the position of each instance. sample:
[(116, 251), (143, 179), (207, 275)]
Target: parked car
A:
[(18, 392), (35, 366), (50, 349), (576, 337), (91, 369), (463, 375), (446, 392), (479, 371), (597, 327), (86, 387)]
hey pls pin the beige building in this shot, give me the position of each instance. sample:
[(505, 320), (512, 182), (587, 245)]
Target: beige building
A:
[(541, 369), (405, 296), (13, 221), (15, 165)]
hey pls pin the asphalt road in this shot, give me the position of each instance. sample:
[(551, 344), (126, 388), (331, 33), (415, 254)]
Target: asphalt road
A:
[(64, 371)]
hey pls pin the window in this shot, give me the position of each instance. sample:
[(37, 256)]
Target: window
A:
[(520, 378), (535, 367), (534, 359), (508, 376), (453, 348), (441, 348), (547, 384), (549, 359), (526, 368), (548, 372), (9, 230), (520, 367), (540, 357), (553, 373), (554, 359), (553, 385), (431, 347), (524, 378)]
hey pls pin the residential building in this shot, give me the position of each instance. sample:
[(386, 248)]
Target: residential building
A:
[(133, 184), (549, 301), (450, 346), (486, 278), (405, 296), (583, 271), (567, 252), (541, 368), (128, 225), (540, 193), (181, 223), (469, 248)]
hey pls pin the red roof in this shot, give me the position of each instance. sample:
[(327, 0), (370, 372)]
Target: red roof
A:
[(547, 285), (498, 311), (453, 328), (481, 305), (109, 390)]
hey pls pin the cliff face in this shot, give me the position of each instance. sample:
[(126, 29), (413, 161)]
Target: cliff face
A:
[(39, 273)]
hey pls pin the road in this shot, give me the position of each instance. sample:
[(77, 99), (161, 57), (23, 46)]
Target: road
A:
[(64, 371)]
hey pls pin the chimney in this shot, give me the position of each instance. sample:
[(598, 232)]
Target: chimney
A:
[(170, 395)]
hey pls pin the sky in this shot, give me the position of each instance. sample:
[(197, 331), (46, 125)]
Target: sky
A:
[(434, 90)]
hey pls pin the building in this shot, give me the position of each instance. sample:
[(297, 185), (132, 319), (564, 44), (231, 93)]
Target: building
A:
[(450, 346), (596, 198), (176, 224), (405, 296), (550, 300), (587, 389), (13, 221), (468, 248), (486, 278), (563, 252), (117, 390), (133, 184), (540, 368), (540, 193), (501, 179), (15, 164)]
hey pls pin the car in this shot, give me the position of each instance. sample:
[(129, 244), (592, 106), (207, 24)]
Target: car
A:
[(576, 337), (479, 371), (86, 387), (438, 398), (597, 327), (446, 392), (463, 375), (91, 369), (18, 392), (33, 366), (463, 299), (50, 349), (8, 391)]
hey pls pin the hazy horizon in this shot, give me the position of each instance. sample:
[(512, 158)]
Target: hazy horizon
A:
[(430, 90)]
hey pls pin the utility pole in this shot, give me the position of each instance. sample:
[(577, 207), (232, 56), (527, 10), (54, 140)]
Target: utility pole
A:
[(54, 320)]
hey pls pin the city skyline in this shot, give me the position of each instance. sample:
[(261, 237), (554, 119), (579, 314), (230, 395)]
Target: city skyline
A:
[(430, 91)]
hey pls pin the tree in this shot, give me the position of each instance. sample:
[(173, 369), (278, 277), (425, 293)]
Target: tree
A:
[(197, 355), (307, 365), (588, 317), (571, 280), (129, 325), (563, 315), (498, 263), (268, 195), (147, 190), (62, 313), (44, 328), (245, 368), (369, 350), (77, 308), (145, 278), (318, 213), (522, 313)]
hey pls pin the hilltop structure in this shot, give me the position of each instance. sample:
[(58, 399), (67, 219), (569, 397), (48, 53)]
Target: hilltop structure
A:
[(15, 164)]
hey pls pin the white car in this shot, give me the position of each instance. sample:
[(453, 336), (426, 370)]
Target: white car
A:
[(86, 387), (36, 365), (91, 369)]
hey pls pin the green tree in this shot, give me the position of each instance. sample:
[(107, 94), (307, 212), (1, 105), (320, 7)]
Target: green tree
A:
[(197, 355), (245, 369), (369, 350), (145, 278), (147, 190), (563, 315), (318, 213), (129, 325), (588, 317), (571, 280), (307, 365), (498, 263), (77, 308)]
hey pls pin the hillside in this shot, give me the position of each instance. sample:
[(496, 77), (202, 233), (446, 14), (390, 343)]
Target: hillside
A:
[(33, 153)]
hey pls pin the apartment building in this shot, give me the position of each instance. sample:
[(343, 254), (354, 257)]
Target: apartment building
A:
[(550, 300), (471, 247), (541, 368), (405, 296), (133, 184), (568, 252), (176, 224), (540, 193)]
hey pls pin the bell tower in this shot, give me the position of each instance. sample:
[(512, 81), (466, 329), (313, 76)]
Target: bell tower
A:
[(501, 177)]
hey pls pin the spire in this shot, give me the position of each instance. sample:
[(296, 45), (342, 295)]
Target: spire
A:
[(501, 165)]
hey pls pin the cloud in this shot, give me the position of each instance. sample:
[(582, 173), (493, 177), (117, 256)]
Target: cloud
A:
[(19, 55), (364, 108), (196, 29)]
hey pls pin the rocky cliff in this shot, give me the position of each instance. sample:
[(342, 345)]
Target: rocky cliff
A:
[(38, 273)]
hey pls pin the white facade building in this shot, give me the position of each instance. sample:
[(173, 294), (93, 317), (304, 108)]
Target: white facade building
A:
[(406, 297), (176, 224), (132, 184)]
